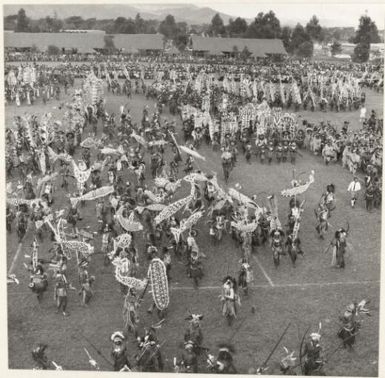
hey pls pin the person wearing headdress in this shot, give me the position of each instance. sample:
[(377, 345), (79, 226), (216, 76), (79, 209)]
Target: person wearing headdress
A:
[(245, 276), (279, 152), (192, 244), (86, 291), (73, 217), (130, 311), (322, 214), (225, 361), (229, 298), (150, 357), (39, 356), (119, 352), (38, 281), (313, 355), (106, 241), (188, 362), (61, 292), (328, 198), (194, 267), (227, 164), (339, 245)]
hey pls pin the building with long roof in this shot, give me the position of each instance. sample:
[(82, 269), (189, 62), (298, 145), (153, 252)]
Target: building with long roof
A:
[(258, 48), (84, 42)]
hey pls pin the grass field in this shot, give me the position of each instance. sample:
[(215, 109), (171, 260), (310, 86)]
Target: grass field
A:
[(305, 295)]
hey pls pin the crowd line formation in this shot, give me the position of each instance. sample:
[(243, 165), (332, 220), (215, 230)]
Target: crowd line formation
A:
[(139, 180)]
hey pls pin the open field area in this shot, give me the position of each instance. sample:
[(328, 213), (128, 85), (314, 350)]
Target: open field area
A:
[(310, 293)]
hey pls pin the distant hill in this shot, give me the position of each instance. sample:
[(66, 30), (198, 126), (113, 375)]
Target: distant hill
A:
[(183, 13)]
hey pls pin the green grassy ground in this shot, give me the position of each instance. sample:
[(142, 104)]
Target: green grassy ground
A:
[(305, 295)]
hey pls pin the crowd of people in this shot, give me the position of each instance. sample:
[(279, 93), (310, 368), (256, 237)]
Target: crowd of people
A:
[(138, 179)]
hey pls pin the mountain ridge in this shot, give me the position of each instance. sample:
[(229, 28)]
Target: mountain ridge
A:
[(191, 14)]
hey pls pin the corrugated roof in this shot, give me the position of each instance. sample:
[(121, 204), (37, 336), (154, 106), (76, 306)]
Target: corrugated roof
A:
[(258, 47), (133, 43), (61, 40)]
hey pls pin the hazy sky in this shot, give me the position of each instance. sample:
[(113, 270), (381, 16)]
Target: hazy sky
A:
[(330, 14)]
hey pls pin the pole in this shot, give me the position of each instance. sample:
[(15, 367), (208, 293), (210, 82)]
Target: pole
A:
[(275, 346), (97, 350)]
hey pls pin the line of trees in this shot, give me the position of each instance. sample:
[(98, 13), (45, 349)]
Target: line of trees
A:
[(298, 41), (22, 23)]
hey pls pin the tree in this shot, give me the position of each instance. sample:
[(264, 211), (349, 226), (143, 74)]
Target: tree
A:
[(181, 37), (300, 42), (305, 50), (181, 41), (217, 27), (237, 28), (367, 31), (109, 44), (10, 22), (286, 38), (74, 22), (264, 26), (235, 52), (168, 27), (90, 23), (53, 50), (314, 29), (50, 25), (245, 53), (22, 21), (361, 52), (151, 26), (336, 48), (139, 24)]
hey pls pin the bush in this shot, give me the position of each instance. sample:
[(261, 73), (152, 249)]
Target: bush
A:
[(53, 50), (305, 50), (361, 53)]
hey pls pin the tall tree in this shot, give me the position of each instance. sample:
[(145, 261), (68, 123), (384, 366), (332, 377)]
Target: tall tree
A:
[(181, 37), (361, 52), (109, 43), (74, 22), (305, 50), (119, 25), (217, 27), (286, 38), (314, 29), (264, 26), (300, 42), (10, 22), (139, 24), (22, 21), (237, 28), (245, 53), (336, 48), (367, 31), (168, 27)]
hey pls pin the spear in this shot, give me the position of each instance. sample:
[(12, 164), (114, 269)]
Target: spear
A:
[(237, 329), (300, 348), (152, 355), (327, 248), (341, 345), (274, 348), (144, 291), (91, 360), (330, 354), (97, 350), (57, 367)]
